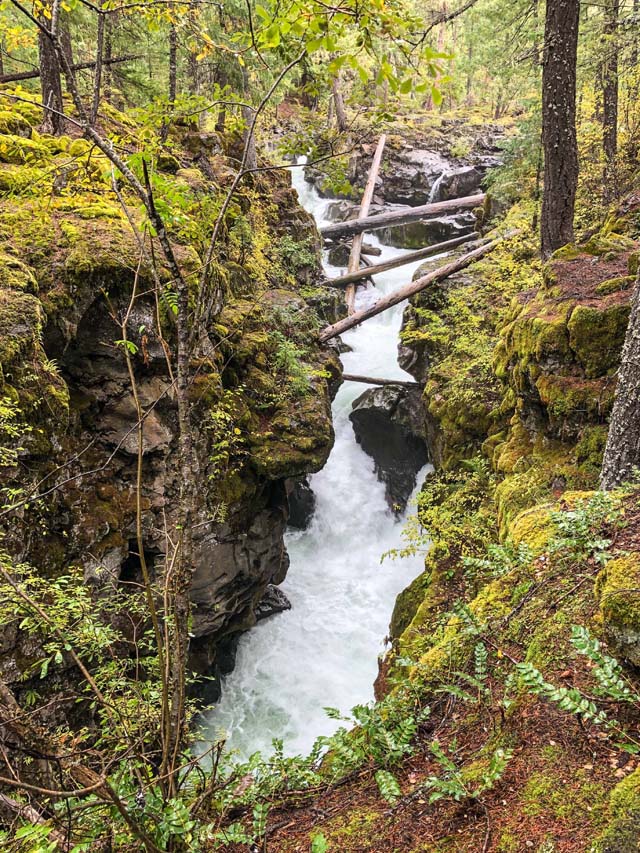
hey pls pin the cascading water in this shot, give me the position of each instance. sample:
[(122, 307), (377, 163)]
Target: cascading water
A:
[(323, 652), (434, 195)]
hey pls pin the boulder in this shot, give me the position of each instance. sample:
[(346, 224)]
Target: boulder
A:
[(302, 503), (390, 427), (273, 601), (459, 183), (427, 232)]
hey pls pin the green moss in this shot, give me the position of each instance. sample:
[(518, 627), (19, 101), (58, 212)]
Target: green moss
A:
[(533, 528), (596, 336), (622, 834), (615, 285), (14, 124), (590, 447), (567, 253), (407, 605), (16, 275), (573, 803), (18, 149), (607, 241), (618, 591)]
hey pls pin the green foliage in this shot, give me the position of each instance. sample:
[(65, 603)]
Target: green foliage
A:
[(287, 362), (388, 786), (453, 783), (578, 531)]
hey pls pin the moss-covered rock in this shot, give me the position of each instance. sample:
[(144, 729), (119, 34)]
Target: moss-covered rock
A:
[(618, 590), (596, 336)]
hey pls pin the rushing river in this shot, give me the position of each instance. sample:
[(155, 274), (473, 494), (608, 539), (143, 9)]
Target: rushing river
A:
[(324, 651)]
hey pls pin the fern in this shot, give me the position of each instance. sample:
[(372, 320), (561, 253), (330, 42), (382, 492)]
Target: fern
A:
[(607, 670), (568, 699), (388, 786)]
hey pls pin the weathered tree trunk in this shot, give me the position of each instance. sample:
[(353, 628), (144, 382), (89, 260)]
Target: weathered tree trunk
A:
[(338, 102), (109, 27), (622, 453), (97, 75), (78, 66), (374, 380), (407, 291), (356, 248), (50, 81), (251, 160), (401, 261), (173, 63), (401, 217), (610, 88), (559, 124)]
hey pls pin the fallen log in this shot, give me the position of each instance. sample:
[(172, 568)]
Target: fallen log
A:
[(78, 66), (373, 380), (409, 290), (376, 269), (373, 251), (401, 217), (365, 204)]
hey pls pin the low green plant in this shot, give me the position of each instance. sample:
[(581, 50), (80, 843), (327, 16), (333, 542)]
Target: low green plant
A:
[(453, 784)]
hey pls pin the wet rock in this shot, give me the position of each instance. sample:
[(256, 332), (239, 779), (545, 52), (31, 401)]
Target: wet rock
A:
[(390, 427), (459, 183), (273, 601), (416, 235), (302, 503)]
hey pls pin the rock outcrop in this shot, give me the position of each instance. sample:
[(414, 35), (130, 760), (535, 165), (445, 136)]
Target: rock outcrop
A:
[(424, 161), (389, 425), (260, 388)]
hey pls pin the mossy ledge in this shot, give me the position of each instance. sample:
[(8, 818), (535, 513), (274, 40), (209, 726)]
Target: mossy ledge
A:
[(261, 386)]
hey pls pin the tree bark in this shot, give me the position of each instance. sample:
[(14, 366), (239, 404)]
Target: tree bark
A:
[(559, 124), (97, 75), (622, 452), (400, 217), (376, 269), (338, 102), (356, 247), (173, 63), (407, 291), (251, 161), (610, 87), (374, 380), (50, 81), (78, 66)]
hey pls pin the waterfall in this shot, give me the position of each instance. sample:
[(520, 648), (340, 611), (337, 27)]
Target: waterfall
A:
[(434, 195), (323, 652)]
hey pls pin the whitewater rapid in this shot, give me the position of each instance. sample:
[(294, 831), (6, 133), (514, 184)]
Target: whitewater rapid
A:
[(324, 651)]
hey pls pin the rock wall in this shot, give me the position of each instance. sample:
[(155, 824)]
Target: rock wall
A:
[(259, 388)]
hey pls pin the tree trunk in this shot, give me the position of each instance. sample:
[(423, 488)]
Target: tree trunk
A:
[(367, 196), (401, 217), (622, 453), (109, 26), (338, 102), (173, 63), (50, 82), (610, 96), (559, 124), (97, 76), (402, 260), (251, 161), (408, 290)]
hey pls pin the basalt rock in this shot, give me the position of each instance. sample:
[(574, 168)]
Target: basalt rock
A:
[(273, 601), (66, 276), (302, 503), (389, 425)]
